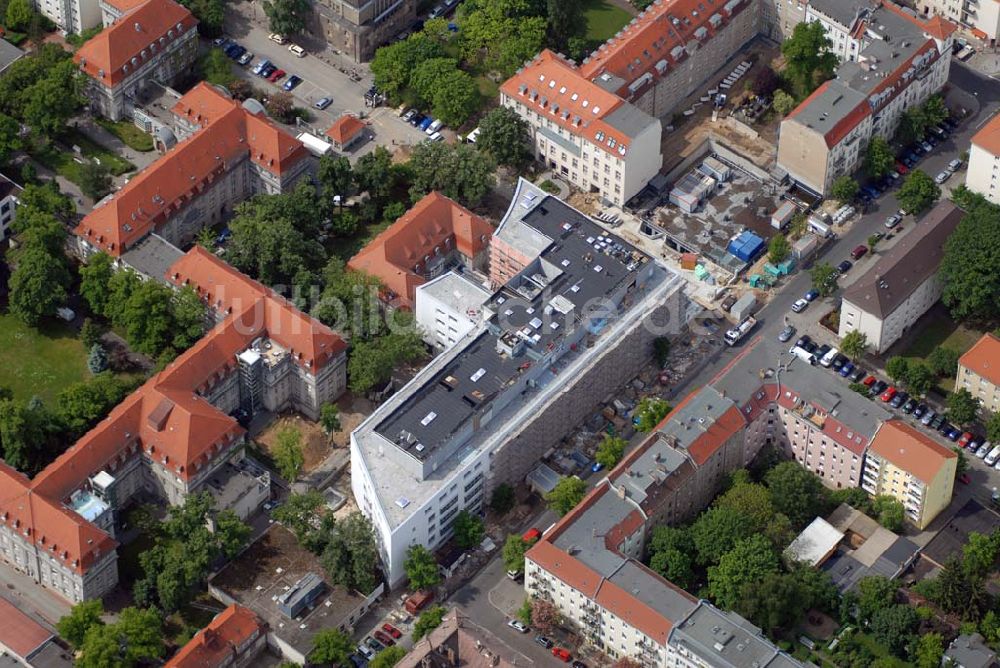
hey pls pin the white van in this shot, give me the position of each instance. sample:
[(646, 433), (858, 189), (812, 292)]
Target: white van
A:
[(994, 455), (803, 355), (275, 37), (297, 50)]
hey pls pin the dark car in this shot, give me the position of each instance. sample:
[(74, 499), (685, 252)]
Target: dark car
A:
[(268, 70), (811, 347), (878, 387), (358, 661), (909, 406), (844, 266), (544, 642), (954, 434), (859, 252), (374, 645), (944, 427), (839, 361), (858, 375), (803, 341), (383, 638), (920, 410), (823, 350), (936, 422), (417, 119), (846, 370), (578, 664), (811, 296), (900, 399), (292, 82)]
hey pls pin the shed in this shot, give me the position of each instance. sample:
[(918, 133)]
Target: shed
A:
[(783, 215), (301, 595), (804, 247), (346, 132), (744, 306), (688, 193), (715, 168), (746, 246)]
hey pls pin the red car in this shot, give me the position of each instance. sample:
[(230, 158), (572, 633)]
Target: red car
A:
[(901, 168), (859, 252), (964, 479), (384, 638), (275, 75), (869, 381), (964, 440), (531, 535), (889, 394), (561, 654), (392, 630)]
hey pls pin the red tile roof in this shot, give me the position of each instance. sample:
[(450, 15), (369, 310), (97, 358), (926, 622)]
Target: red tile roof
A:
[(553, 87), (433, 222), (218, 643), (983, 359), (20, 633), (124, 5), (158, 192), (346, 128), (910, 450), (988, 138), (133, 40)]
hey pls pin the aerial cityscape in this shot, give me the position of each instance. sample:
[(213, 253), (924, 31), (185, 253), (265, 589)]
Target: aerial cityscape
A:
[(431, 333)]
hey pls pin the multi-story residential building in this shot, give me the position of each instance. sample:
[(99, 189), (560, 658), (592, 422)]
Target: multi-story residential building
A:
[(234, 637), (9, 192), (900, 61), (591, 137), (803, 411), (458, 641), (435, 235), (909, 466), (903, 283), (226, 155), (844, 22), (172, 436), (979, 372), (72, 16), (981, 18), (779, 17), (553, 338), (587, 564), (984, 161), (156, 41), (356, 28), (449, 307)]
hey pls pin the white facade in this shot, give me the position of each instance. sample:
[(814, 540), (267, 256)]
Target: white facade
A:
[(983, 15), (984, 169), (447, 308), (72, 16), (882, 333), (8, 205)]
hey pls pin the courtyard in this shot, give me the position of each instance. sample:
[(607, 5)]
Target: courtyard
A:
[(39, 362)]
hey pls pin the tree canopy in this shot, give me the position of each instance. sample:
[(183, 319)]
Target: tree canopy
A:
[(844, 189), (750, 560), (879, 158), (421, 568), (287, 17), (429, 620), (808, 57), (970, 267), (650, 411), (331, 646), (505, 137), (610, 451), (469, 529), (568, 492), (459, 171), (136, 638), (962, 406), (918, 191)]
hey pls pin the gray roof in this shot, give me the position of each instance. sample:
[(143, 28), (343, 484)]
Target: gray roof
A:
[(153, 256), (630, 120), (584, 537), (915, 258), (970, 651), (673, 603), (456, 290), (8, 187), (845, 571), (726, 640), (829, 107), (8, 54), (843, 12)]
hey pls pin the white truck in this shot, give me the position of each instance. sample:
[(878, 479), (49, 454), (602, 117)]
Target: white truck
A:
[(736, 334)]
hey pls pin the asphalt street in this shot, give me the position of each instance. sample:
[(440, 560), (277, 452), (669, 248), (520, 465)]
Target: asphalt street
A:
[(491, 590)]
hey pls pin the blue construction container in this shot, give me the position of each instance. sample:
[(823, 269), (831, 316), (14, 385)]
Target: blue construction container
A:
[(746, 246)]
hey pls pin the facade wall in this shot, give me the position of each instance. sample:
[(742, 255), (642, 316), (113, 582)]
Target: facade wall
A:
[(357, 30), (882, 333), (981, 388), (8, 206), (923, 502), (984, 169), (779, 17), (805, 442), (73, 16), (441, 324), (506, 261), (984, 16), (803, 153)]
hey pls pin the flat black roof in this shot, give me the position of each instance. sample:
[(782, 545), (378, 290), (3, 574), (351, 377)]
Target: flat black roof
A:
[(581, 264)]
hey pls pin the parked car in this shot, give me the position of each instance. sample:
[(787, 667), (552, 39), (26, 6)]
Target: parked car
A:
[(920, 411), (953, 433), (365, 651), (297, 50), (375, 645), (811, 296), (964, 439), (543, 641), (844, 266), (562, 654), (323, 103), (426, 123), (268, 70), (942, 177), (954, 165), (392, 630), (292, 82), (410, 113), (889, 393), (878, 388), (899, 399), (909, 406), (892, 221), (259, 67), (245, 58), (787, 333), (858, 374), (859, 252), (964, 479), (518, 625), (901, 167), (417, 120), (928, 418), (869, 381), (799, 306), (983, 450), (275, 75), (936, 422), (275, 37), (828, 358), (383, 638), (838, 362), (846, 370), (823, 350), (578, 664)]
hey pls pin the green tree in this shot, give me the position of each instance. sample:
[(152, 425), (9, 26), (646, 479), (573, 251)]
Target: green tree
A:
[(427, 77), (970, 267), (962, 407), (331, 645), (351, 555), (373, 174), (469, 529), (287, 17), (90, 333), (97, 359), (503, 499), (935, 110), (388, 657), (421, 568), (872, 242), (980, 552), (943, 361), (783, 103), (281, 107), (993, 428), (50, 102), (288, 457), (565, 19), (429, 620), (44, 198), (232, 534), (329, 417), (894, 626), (796, 492), (780, 600), (459, 171), (890, 512), (875, 593), (394, 64), (717, 531), (671, 551), (37, 284), (372, 362), (524, 612), (95, 281), (824, 278), (912, 125), (503, 34), (20, 435), (854, 344), (610, 451), (808, 57), (929, 650), (456, 99), (778, 249), (10, 137), (188, 314), (135, 638), (919, 378), (844, 189), (650, 411), (95, 180), (568, 492), (505, 137), (19, 13), (918, 192), (897, 367), (879, 158), (513, 552), (748, 562), (147, 317), (74, 626), (336, 179), (297, 511)]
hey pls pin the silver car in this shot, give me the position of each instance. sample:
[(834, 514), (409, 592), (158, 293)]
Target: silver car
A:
[(786, 334), (942, 177)]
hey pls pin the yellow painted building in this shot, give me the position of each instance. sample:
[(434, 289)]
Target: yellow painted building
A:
[(979, 372), (910, 466)]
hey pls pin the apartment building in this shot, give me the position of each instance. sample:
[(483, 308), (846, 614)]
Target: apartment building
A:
[(174, 435), (984, 161), (900, 61), (979, 372), (225, 155), (234, 637), (458, 641), (804, 411), (155, 41), (449, 307), (71, 16), (427, 241), (355, 28), (903, 283), (779, 17), (587, 564), (981, 18), (591, 137), (552, 340), (909, 466), (9, 192)]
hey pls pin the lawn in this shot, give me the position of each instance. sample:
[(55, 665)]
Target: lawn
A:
[(938, 330), (63, 162), (133, 137), (39, 362), (603, 20)]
